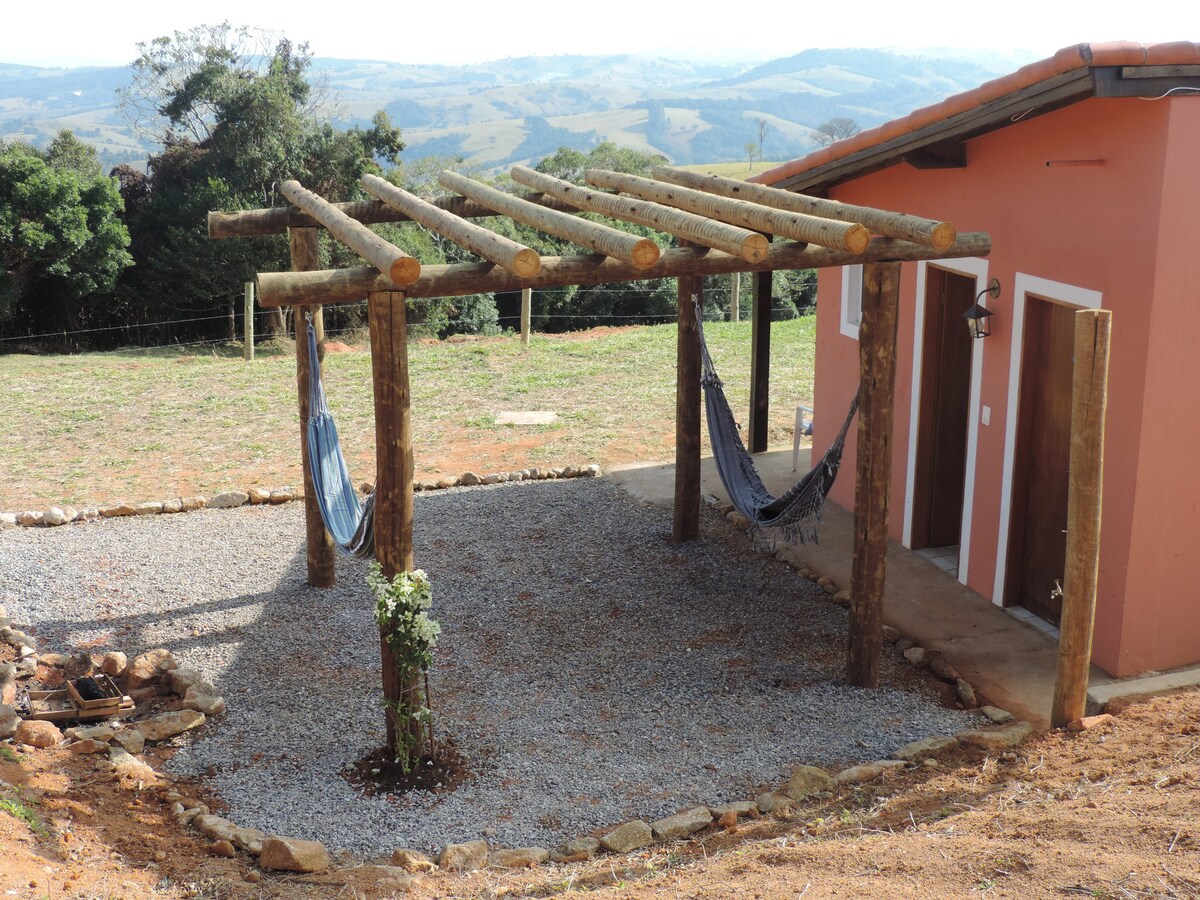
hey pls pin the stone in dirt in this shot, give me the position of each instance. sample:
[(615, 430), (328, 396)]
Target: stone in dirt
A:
[(727, 820), (172, 506), (868, 771), (29, 518), (88, 745), (577, 849), (774, 802), (282, 495), (412, 861), (1088, 723), (130, 740), (91, 733), (904, 643), (966, 694), (114, 663), (228, 500), (944, 670), (55, 516), (630, 836), (285, 854), (806, 781), (204, 703), (919, 750), (469, 479), (148, 669), (8, 520), (126, 768), (177, 681), (222, 848), (193, 503), (77, 665), (518, 858), (464, 857), (890, 634), (681, 824), (996, 715), (258, 495), (995, 738), (37, 733), (736, 519), (116, 511), (447, 482), (166, 725), (916, 657), (9, 720), (149, 508), (738, 808)]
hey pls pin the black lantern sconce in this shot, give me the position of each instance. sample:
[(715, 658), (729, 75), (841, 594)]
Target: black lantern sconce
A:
[(977, 316)]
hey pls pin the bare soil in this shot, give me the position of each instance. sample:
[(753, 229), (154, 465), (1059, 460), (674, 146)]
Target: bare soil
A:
[(1105, 813)]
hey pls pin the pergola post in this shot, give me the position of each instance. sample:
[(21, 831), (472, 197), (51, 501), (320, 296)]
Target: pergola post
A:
[(686, 526), (873, 458), (318, 542), (386, 315), (760, 361)]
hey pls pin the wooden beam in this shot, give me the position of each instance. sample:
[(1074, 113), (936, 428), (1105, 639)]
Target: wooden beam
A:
[(638, 252), (760, 361), (319, 546), (277, 220), (394, 464), (517, 258), (351, 285), (796, 226), (686, 520), (1089, 402), (401, 268), (692, 228), (950, 155), (873, 458), (929, 232)]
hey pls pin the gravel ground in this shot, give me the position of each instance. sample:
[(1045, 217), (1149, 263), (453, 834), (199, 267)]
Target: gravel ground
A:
[(588, 671)]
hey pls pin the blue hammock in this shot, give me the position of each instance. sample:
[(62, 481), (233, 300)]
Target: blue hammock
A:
[(795, 515), (351, 522)]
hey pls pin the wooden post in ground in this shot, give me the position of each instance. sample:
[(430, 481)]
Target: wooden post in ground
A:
[(320, 549), (526, 311), (760, 361), (735, 297), (877, 364), (248, 323), (686, 526), (1089, 400), (394, 470)]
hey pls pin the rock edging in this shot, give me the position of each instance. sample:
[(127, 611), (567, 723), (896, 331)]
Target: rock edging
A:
[(66, 514)]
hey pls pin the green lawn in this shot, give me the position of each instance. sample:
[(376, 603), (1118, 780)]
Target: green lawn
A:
[(96, 428)]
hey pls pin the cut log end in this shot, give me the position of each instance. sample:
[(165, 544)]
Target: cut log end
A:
[(526, 263), (646, 254), (943, 236), (755, 248), (405, 271), (857, 239)]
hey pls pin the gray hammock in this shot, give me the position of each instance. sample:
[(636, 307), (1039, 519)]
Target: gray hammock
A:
[(349, 521), (794, 515)]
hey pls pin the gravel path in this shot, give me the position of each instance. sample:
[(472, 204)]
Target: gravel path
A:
[(588, 671)]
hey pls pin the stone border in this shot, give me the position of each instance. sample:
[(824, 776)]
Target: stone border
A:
[(288, 854), (255, 496)]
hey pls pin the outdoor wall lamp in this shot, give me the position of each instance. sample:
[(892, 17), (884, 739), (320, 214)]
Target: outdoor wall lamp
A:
[(977, 316)]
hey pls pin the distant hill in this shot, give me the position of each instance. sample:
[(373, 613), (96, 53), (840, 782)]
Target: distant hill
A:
[(518, 110)]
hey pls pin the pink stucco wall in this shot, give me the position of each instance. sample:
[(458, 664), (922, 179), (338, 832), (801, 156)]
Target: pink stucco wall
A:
[(1125, 229)]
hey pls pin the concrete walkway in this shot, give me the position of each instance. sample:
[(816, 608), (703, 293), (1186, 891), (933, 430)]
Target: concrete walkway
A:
[(1010, 662)]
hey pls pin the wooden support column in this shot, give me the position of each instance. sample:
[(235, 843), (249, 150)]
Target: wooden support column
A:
[(1089, 400), (877, 364), (248, 323), (386, 315), (735, 297), (686, 525), (320, 549), (526, 312), (760, 361)]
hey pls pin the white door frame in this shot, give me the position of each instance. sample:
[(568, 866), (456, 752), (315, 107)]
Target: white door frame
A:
[(1055, 291), (977, 268)]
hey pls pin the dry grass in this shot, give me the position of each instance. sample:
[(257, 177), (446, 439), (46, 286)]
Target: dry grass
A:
[(97, 428)]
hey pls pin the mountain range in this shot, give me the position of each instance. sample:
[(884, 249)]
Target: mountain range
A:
[(517, 110)]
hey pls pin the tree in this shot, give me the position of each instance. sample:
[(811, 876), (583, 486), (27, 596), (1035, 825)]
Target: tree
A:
[(61, 234), (835, 129), (750, 148), (762, 126)]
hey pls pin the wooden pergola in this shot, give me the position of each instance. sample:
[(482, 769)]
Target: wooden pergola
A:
[(721, 225)]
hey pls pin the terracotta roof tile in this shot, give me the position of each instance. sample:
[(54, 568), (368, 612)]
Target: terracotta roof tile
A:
[(1077, 56)]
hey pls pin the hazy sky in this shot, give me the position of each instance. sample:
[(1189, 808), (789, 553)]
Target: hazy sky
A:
[(73, 33)]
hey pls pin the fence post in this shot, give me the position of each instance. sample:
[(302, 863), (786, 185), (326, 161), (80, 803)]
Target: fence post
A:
[(526, 304), (735, 297), (248, 324)]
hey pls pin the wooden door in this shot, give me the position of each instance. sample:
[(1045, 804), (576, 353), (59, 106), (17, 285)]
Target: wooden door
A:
[(1037, 543), (944, 415)]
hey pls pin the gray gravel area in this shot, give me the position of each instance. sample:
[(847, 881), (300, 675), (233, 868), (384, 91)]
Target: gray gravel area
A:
[(589, 671)]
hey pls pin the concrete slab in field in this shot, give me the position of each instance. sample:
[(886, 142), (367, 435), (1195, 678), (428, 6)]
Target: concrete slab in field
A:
[(527, 417)]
